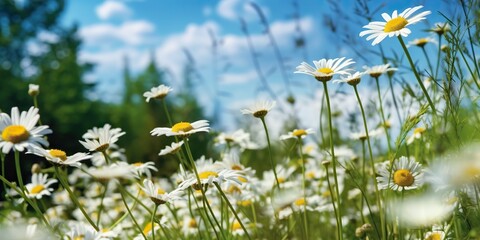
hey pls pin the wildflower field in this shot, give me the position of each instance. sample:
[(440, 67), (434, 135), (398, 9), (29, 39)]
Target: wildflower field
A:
[(399, 161)]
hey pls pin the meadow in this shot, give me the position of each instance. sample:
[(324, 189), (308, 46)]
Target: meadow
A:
[(408, 167)]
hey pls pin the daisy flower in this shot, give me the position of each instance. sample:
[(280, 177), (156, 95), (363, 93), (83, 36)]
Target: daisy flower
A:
[(159, 92), (351, 79), (417, 134), (210, 173), (395, 25), (113, 171), (172, 149), (182, 129), (297, 133), (435, 235), (259, 109), (33, 90), (405, 174), (95, 132), (57, 156), (19, 131), (158, 195), (421, 42), (144, 168), (325, 68), (377, 70), (106, 137), (238, 138), (441, 28), (40, 186)]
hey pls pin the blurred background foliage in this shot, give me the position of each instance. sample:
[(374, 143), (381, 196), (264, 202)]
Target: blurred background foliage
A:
[(63, 100)]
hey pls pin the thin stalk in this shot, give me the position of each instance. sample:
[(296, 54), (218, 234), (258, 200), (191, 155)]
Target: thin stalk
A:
[(364, 178), (252, 206), (19, 171), (124, 215), (122, 192), (204, 196), (332, 149), (101, 203), (153, 222), (414, 69), (270, 152), (370, 152), (2, 157), (430, 67), (73, 197), (382, 115), (105, 155), (164, 103), (305, 221), (35, 104), (438, 56), (335, 209), (232, 209)]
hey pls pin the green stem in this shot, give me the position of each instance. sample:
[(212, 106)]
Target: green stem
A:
[(270, 152), (65, 185), (305, 218), (124, 215), (370, 152), (105, 155), (122, 191), (35, 104), (335, 209), (199, 183), (332, 149), (428, 60), (382, 115), (165, 108), (153, 222), (100, 209), (19, 171), (232, 209), (438, 56), (2, 157), (414, 69)]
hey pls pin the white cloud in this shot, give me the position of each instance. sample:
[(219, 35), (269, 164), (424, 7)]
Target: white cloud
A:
[(238, 78), (236, 9), (110, 9), (129, 32)]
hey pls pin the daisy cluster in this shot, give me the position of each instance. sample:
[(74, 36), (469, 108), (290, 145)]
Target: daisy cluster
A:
[(306, 183)]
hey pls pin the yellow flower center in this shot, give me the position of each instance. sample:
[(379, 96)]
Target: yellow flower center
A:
[(300, 202), (15, 134), (234, 189), (37, 189), (434, 236), (237, 167), (160, 191), (192, 223), (310, 174), (395, 24), (419, 130), (148, 228), (245, 203), (182, 127), (207, 174), (325, 70), (281, 180), (236, 226), (326, 194), (58, 154), (299, 133), (79, 237), (242, 179), (403, 178), (137, 164), (421, 42)]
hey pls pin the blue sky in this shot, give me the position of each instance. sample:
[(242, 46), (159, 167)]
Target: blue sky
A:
[(140, 29)]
